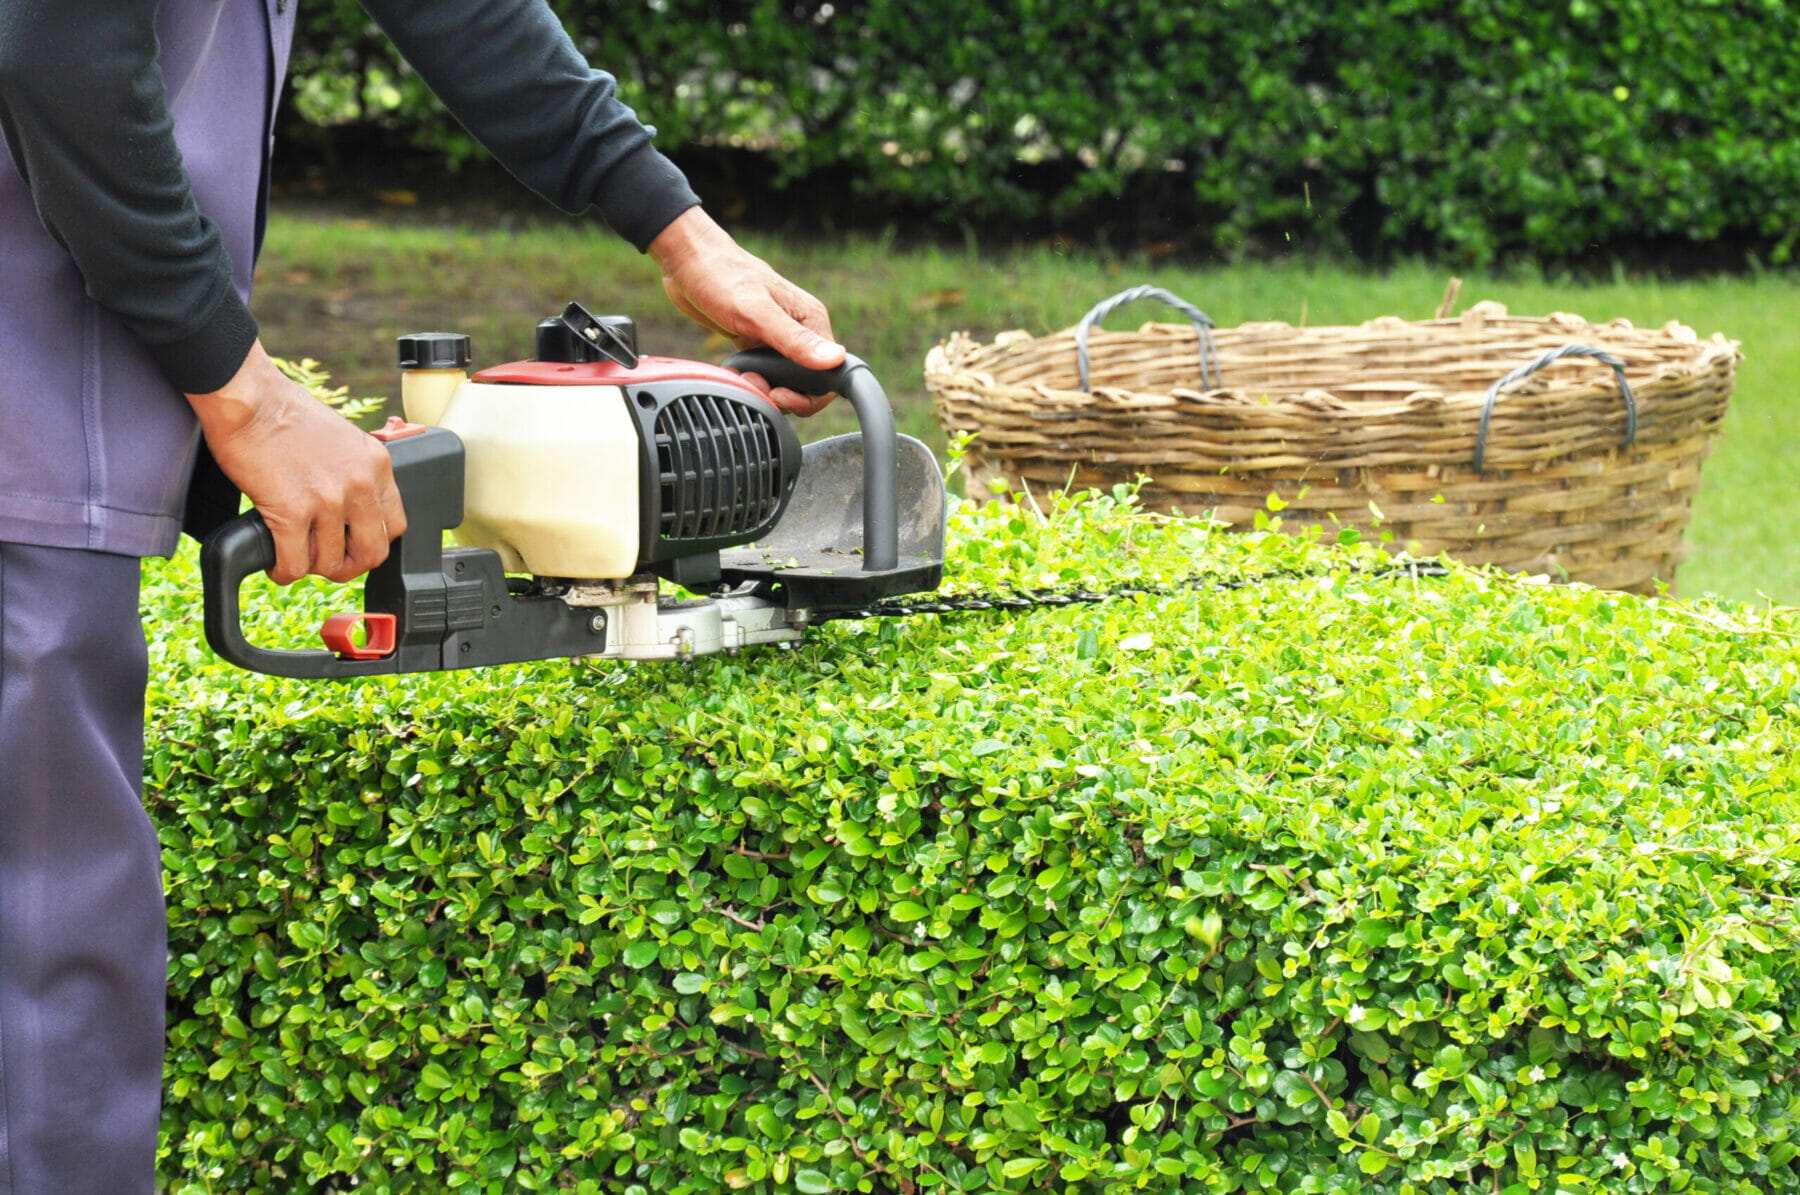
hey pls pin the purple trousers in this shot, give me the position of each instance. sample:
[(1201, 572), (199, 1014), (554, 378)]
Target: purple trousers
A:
[(83, 950)]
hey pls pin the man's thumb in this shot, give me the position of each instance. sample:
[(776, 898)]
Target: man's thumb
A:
[(806, 347)]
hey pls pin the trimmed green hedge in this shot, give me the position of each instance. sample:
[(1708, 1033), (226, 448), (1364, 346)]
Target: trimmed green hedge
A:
[(1474, 128), (1326, 883)]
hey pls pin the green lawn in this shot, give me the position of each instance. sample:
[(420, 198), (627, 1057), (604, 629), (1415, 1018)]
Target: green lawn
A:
[(340, 290)]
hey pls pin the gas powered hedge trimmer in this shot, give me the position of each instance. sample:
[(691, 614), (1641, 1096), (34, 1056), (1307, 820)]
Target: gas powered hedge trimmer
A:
[(575, 483)]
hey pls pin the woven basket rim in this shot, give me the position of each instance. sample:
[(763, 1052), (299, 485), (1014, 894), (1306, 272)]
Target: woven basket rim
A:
[(1675, 351), (1566, 472)]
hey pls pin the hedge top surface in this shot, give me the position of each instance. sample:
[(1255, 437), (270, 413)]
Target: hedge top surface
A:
[(1330, 882)]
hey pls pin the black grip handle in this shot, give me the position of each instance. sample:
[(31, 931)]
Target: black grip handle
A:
[(233, 553), (856, 382)]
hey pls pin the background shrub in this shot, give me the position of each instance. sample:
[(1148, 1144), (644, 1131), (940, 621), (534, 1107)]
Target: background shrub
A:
[(1327, 883), (1471, 128)]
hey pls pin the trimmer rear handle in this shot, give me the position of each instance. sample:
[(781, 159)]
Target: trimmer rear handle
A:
[(444, 609), (232, 554)]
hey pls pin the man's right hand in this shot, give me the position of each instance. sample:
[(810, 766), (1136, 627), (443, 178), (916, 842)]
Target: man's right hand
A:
[(325, 488)]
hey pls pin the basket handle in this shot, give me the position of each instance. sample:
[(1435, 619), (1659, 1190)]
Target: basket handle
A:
[(1203, 326), (1524, 371)]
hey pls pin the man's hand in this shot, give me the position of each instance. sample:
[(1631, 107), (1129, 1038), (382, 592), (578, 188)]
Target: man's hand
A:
[(719, 285), (324, 487)]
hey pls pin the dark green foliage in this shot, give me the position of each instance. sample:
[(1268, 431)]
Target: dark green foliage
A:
[(1332, 884), (1475, 128)]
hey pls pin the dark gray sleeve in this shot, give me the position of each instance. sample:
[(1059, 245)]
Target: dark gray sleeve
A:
[(86, 120), (507, 70)]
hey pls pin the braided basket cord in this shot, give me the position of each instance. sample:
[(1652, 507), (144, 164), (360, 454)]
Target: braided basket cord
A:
[(1341, 422)]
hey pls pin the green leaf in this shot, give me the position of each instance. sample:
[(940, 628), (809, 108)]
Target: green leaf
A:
[(1019, 1116)]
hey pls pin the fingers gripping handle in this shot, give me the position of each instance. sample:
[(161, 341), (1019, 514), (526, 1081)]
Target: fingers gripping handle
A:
[(853, 380), (428, 472), (233, 553)]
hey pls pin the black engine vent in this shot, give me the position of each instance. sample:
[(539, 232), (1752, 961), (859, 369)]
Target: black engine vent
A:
[(719, 469), (716, 467)]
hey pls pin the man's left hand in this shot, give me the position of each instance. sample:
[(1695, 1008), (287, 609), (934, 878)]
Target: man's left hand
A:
[(719, 285)]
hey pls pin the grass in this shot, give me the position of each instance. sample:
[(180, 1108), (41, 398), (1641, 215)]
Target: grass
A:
[(341, 289)]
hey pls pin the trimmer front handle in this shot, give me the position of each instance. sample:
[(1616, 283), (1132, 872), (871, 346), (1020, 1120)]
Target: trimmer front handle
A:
[(858, 384), (425, 609)]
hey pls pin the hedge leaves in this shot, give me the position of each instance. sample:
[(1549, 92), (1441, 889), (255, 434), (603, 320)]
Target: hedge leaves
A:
[(1466, 130), (1336, 882)]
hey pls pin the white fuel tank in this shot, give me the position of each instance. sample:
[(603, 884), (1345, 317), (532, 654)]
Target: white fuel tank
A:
[(551, 472)]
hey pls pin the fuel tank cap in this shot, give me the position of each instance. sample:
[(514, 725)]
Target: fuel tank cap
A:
[(434, 350)]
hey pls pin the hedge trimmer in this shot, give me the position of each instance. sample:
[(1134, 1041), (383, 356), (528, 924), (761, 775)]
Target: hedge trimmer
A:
[(575, 483)]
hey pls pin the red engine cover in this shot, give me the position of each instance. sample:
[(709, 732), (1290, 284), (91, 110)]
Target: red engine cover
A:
[(611, 373)]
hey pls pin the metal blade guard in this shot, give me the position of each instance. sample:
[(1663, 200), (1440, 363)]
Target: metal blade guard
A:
[(866, 519)]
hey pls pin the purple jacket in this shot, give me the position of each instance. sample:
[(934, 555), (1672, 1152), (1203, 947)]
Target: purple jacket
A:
[(95, 443), (117, 292)]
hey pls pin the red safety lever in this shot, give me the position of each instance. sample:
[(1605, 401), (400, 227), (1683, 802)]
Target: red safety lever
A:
[(380, 634), (397, 428)]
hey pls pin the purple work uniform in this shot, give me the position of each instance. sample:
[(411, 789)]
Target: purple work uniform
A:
[(131, 200)]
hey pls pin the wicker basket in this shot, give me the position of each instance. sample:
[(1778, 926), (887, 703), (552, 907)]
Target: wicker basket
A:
[(1488, 436)]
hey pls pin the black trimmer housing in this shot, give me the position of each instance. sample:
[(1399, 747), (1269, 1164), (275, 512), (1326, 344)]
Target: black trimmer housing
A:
[(716, 467)]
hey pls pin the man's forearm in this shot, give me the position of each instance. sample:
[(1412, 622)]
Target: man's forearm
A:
[(508, 71)]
